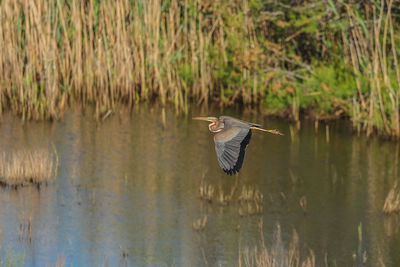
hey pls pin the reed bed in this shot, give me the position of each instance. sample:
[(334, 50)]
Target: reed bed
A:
[(108, 52), (280, 57), (276, 255), (371, 50), (23, 167)]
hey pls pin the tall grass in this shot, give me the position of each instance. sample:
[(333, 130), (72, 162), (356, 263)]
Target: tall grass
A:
[(283, 57), (108, 52), (370, 42)]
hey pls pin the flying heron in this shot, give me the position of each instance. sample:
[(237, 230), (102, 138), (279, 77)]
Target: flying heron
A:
[(231, 140)]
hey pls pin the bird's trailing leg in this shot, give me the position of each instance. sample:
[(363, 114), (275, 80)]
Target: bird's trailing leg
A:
[(274, 131)]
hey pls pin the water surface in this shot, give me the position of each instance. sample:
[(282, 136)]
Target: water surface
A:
[(127, 192)]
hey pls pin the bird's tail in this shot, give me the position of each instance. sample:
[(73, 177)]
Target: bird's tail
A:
[(274, 131)]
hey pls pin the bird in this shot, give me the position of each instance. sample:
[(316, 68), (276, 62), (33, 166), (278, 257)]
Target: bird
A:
[(231, 139)]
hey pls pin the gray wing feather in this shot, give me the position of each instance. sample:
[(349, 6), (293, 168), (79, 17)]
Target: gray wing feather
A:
[(230, 153), (240, 123)]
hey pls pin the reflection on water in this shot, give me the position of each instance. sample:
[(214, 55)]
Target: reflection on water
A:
[(132, 190)]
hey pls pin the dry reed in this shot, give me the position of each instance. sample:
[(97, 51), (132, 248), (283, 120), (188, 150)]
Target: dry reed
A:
[(392, 201), (250, 201), (371, 48), (110, 52), (391, 225), (303, 204), (250, 193), (223, 198), (276, 255), (206, 191), (200, 223), (26, 167)]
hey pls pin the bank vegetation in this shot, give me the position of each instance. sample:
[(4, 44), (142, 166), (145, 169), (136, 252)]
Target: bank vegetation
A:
[(322, 58)]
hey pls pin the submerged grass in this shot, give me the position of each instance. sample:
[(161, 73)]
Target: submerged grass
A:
[(246, 198), (281, 57), (392, 201), (200, 223), (24, 167), (25, 229), (12, 259), (251, 201)]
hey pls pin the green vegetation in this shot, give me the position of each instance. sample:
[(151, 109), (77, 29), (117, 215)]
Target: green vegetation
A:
[(325, 58), (12, 259)]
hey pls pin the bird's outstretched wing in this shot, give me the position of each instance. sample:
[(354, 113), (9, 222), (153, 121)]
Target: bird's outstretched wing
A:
[(230, 146)]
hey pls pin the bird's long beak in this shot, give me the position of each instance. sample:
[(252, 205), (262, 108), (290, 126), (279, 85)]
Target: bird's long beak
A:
[(204, 118)]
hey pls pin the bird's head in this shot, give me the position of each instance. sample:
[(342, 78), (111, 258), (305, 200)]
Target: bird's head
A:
[(216, 124)]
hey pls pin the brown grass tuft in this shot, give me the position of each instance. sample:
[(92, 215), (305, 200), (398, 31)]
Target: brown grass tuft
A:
[(24, 167), (206, 191), (250, 201), (276, 255), (251, 193)]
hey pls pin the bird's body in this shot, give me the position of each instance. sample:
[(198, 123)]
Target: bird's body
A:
[(231, 140)]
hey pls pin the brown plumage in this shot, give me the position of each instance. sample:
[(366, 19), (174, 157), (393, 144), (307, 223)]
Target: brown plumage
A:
[(231, 140)]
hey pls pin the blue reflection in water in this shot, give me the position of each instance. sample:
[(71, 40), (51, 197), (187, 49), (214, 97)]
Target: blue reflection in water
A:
[(127, 193)]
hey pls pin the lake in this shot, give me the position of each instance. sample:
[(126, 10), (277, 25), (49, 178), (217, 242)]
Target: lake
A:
[(127, 192)]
